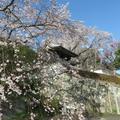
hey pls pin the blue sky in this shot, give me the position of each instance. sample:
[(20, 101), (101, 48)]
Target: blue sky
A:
[(103, 14)]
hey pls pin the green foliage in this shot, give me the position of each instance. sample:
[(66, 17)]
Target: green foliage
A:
[(55, 104), (7, 53), (30, 100), (117, 59), (26, 54)]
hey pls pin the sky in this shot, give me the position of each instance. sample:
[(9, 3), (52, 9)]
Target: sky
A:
[(102, 14)]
